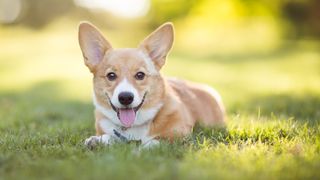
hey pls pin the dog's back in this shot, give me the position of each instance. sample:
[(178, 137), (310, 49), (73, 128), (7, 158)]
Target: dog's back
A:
[(202, 101)]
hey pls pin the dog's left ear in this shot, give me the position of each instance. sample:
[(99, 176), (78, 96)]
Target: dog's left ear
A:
[(158, 44)]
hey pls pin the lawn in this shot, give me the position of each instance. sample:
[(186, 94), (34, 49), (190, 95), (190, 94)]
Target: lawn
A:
[(272, 102)]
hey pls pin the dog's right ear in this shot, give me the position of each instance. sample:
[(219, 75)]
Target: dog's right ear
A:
[(93, 45)]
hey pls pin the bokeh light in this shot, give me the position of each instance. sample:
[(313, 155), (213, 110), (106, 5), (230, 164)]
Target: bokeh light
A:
[(10, 10), (122, 8)]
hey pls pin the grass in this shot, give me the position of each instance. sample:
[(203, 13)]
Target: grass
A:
[(273, 129)]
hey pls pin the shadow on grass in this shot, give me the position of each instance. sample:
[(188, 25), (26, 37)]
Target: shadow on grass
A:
[(42, 106), (300, 107)]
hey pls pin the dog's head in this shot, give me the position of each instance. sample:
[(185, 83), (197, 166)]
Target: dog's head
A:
[(126, 80)]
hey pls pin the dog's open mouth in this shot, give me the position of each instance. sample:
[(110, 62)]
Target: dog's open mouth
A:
[(127, 116)]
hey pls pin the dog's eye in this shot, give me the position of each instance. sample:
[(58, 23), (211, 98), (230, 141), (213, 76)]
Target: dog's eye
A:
[(111, 76), (140, 76)]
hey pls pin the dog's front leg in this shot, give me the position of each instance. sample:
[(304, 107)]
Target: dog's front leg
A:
[(95, 140)]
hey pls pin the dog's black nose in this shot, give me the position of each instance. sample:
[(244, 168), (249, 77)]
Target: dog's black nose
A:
[(126, 98)]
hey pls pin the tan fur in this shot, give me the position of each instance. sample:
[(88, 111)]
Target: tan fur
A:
[(184, 103)]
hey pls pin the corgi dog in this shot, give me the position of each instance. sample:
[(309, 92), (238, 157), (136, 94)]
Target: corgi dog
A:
[(133, 101)]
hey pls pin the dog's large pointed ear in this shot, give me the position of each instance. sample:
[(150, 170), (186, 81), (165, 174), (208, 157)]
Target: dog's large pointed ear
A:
[(158, 44), (92, 44)]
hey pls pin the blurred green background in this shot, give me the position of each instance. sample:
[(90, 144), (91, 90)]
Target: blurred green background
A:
[(262, 56), (241, 47)]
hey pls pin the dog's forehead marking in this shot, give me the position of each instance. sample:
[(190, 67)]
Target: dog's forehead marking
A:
[(133, 53)]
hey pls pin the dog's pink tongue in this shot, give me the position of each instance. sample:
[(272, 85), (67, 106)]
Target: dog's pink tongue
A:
[(127, 117)]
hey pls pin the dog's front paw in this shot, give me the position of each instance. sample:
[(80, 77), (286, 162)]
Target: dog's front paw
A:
[(150, 144), (93, 141)]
